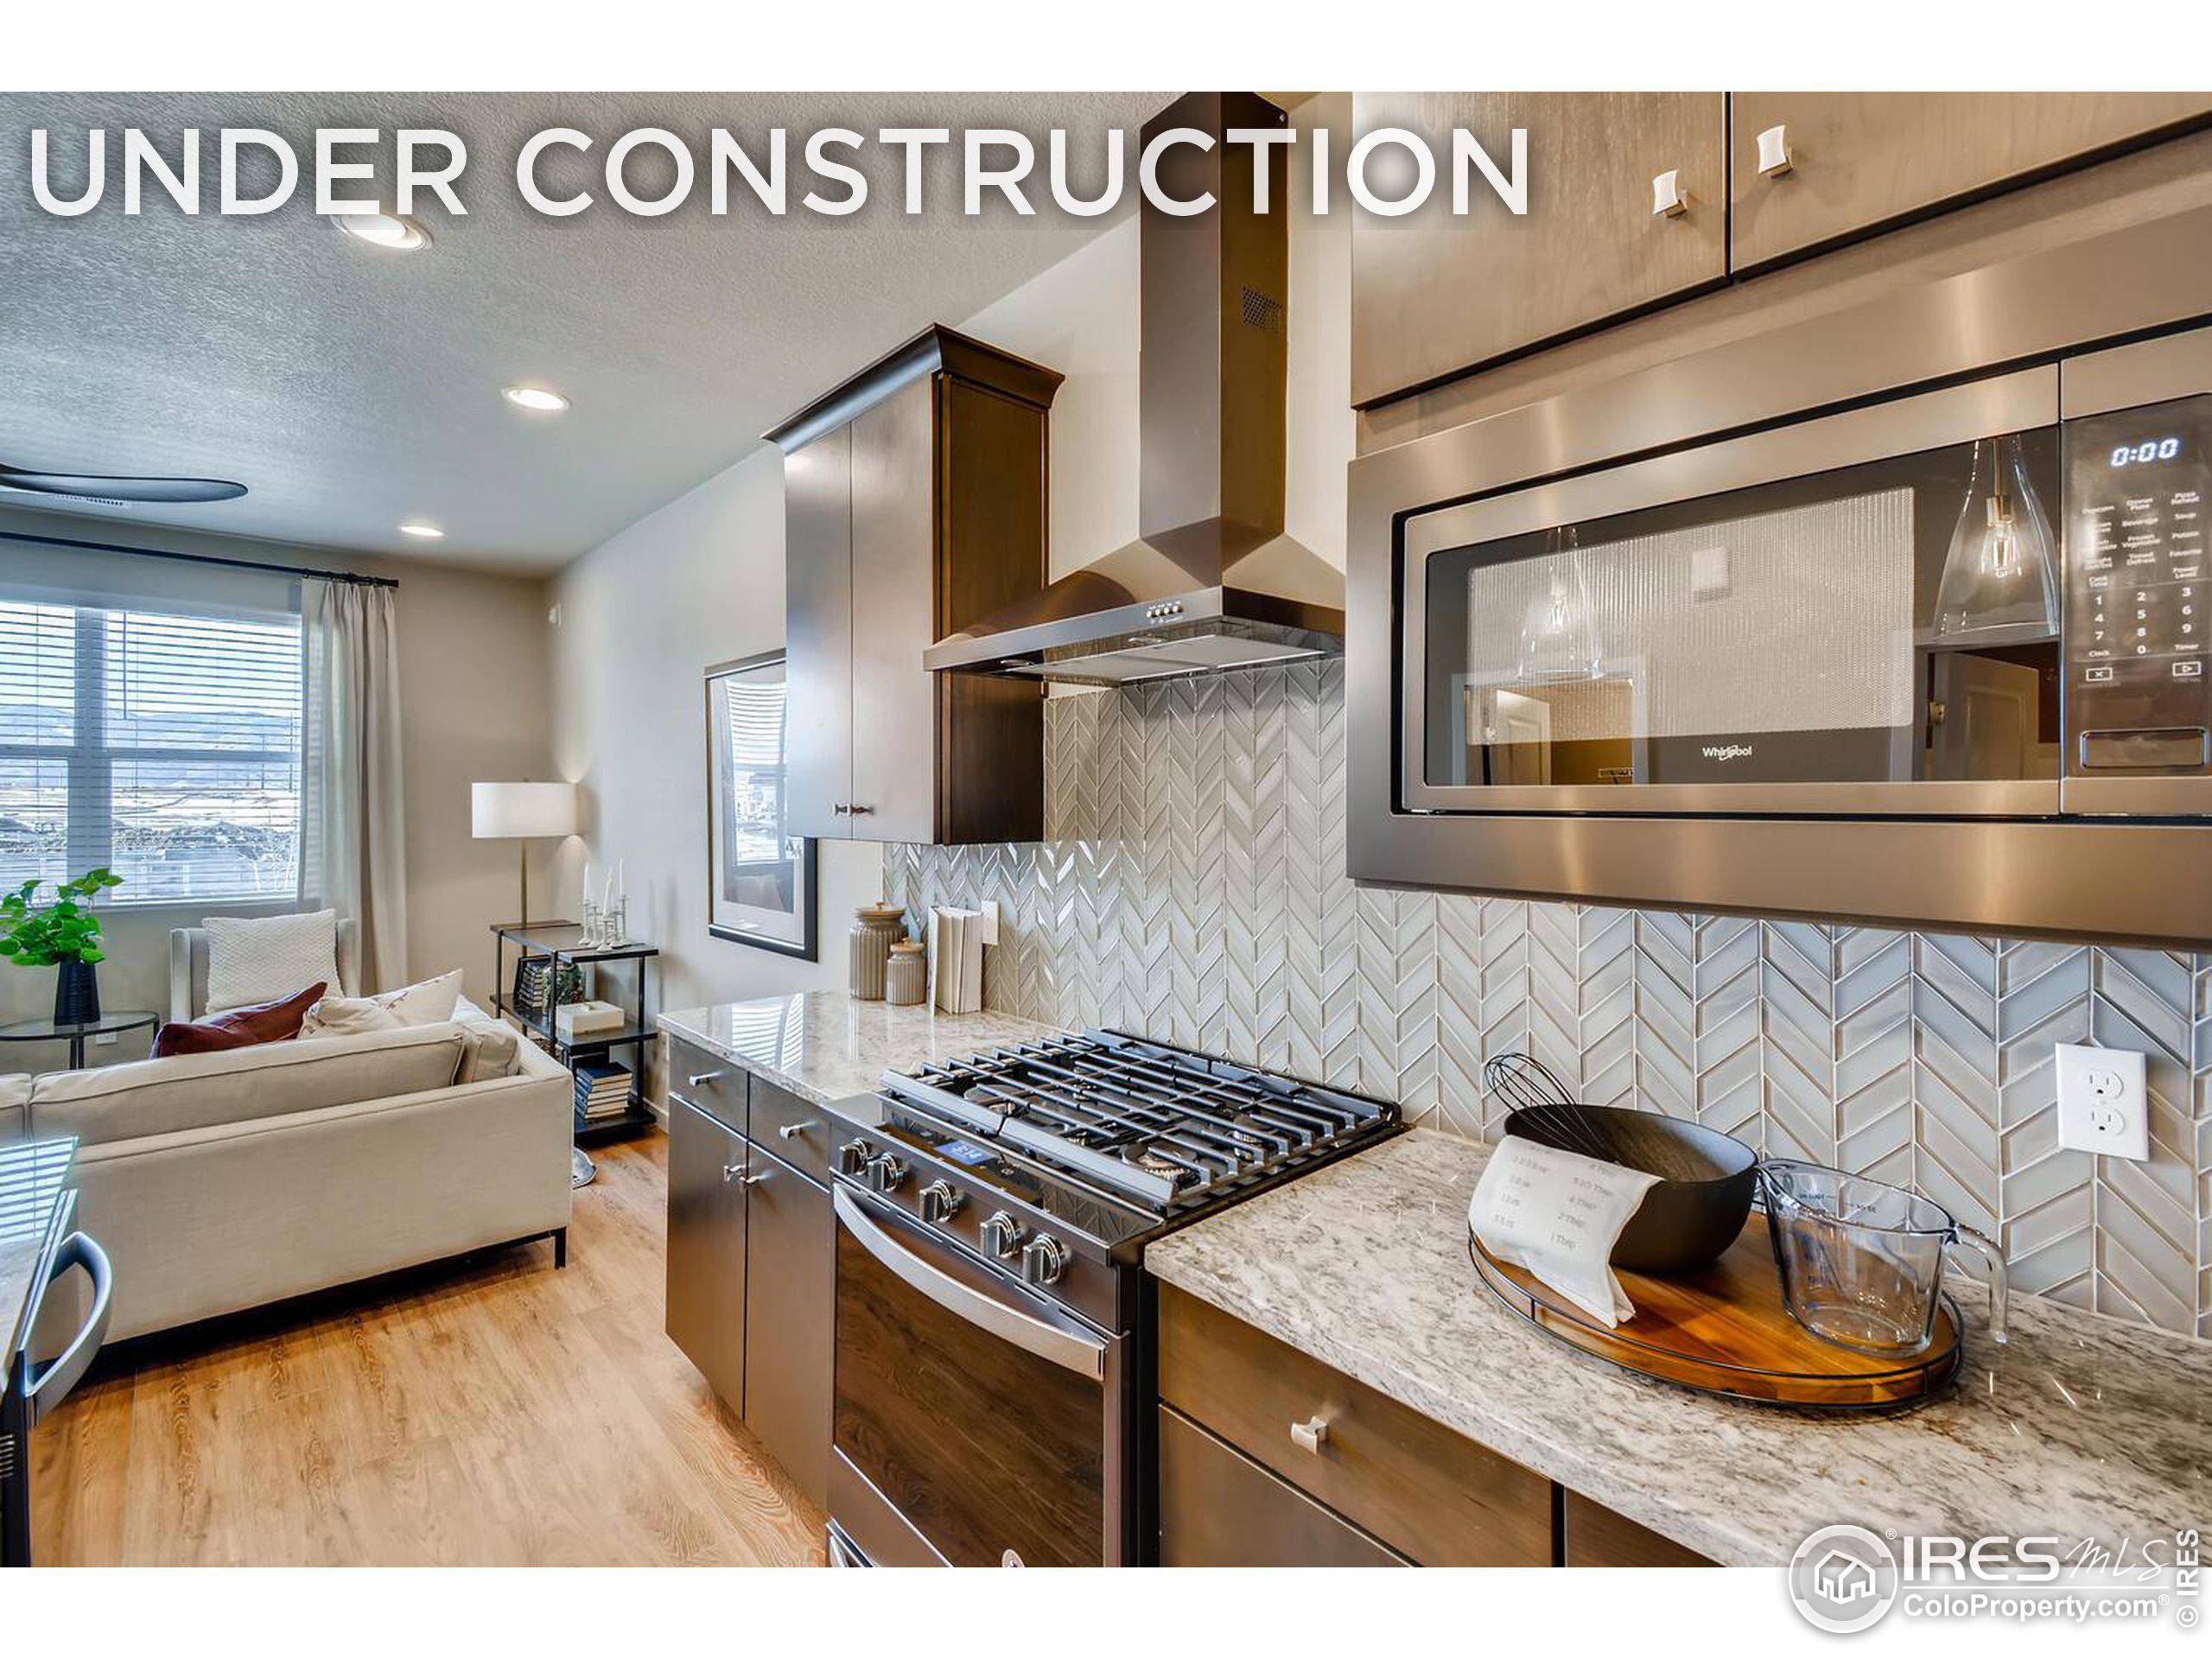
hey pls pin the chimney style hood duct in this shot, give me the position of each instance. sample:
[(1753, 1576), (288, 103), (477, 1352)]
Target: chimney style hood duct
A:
[(1211, 583)]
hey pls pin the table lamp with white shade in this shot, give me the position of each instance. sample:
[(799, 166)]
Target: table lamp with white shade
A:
[(523, 812)]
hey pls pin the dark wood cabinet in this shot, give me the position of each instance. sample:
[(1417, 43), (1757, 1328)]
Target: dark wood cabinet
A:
[(1435, 293), (914, 505), (751, 1255), (1270, 1458), (1856, 161), (791, 1278), (706, 1245), (1592, 1535)]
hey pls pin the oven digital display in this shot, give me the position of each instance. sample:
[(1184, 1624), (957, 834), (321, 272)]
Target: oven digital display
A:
[(962, 1151), (2147, 453)]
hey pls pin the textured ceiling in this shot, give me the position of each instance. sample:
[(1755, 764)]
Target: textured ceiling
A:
[(351, 389)]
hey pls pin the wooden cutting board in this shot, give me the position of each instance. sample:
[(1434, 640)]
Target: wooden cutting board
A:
[(1725, 1330)]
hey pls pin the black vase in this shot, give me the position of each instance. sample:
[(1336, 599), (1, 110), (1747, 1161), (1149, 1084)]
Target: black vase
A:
[(76, 994)]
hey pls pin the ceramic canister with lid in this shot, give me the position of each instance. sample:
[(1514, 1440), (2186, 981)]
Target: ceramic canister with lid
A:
[(905, 981), (876, 927)]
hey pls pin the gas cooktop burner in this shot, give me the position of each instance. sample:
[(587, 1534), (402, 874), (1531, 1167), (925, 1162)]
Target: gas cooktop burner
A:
[(1143, 1121)]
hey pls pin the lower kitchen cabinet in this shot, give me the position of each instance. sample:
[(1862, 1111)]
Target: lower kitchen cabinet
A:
[(706, 1246), (1269, 1458), (1425, 1492), (789, 1289), (752, 1257), (1218, 1508)]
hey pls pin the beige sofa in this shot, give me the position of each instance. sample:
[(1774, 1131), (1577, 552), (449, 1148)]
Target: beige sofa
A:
[(219, 1182)]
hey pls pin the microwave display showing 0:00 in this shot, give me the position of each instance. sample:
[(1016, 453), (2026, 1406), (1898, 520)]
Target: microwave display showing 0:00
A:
[(2151, 449)]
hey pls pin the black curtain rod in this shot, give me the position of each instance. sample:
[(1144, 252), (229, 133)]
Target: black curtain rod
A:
[(200, 558)]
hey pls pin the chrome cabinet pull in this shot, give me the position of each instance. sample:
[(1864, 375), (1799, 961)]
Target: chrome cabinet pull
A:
[(858, 810), (1668, 198), (1311, 1432), (787, 1130), (841, 808), (1775, 159), (731, 1172), (700, 1079)]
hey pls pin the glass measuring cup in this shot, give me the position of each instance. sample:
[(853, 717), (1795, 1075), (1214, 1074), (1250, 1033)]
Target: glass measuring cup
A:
[(1862, 1262)]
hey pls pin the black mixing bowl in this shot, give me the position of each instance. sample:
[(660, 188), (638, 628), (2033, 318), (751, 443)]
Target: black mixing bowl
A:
[(1696, 1208)]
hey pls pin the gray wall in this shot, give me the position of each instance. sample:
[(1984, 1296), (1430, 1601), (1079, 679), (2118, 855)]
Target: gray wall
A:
[(472, 674), (1195, 891)]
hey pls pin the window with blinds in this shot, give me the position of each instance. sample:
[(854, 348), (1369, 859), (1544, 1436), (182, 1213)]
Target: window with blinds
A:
[(164, 745)]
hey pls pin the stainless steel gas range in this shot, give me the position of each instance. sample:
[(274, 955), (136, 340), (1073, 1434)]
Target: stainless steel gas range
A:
[(994, 1369)]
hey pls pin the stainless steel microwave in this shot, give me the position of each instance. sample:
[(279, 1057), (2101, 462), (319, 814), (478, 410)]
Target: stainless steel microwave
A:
[(1901, 659)]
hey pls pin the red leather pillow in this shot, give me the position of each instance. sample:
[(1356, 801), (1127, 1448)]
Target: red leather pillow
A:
[(265, 1022)]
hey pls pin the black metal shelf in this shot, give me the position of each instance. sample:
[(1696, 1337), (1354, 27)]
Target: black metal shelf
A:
[(559, 942)]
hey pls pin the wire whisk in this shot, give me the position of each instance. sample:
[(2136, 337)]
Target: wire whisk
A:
[(1524, 1084)]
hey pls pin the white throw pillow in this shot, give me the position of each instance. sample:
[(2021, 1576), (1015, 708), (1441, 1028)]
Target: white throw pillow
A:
[(265, 958), (430, 1003)]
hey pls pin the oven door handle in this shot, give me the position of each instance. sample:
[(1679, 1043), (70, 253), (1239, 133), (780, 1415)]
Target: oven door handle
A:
[(1049, 1341)]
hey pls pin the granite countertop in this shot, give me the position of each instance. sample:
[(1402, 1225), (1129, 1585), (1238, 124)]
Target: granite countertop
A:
[(2081, 1425), (826, 1046), (34, 1182)]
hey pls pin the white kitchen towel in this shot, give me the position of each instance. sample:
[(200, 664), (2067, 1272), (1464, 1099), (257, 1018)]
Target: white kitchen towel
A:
[(1557, 1214)]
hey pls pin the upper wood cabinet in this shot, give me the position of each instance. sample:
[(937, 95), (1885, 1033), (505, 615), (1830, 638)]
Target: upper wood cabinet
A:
[(1435, 293), (914, 505), (1857, 161)]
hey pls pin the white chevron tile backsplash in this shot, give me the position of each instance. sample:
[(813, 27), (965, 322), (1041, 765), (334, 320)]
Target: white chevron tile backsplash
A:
[(1195, 890)]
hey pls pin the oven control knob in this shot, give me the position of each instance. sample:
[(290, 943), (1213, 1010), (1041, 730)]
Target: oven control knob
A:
[(853, 1156), (940, 1201), (884, 1171), (1002, 1235), (1044, 1259)]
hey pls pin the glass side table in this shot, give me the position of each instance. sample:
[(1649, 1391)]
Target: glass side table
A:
[(77, 1033)]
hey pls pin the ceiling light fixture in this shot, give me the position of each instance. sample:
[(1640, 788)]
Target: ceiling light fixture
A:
[(541, 399), (396, 232), (427, 532)]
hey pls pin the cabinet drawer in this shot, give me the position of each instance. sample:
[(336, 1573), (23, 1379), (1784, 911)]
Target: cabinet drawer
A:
[(712, 1085), (1596, 1537), (796, 1130), (1218, 1508), (1419, 1487)]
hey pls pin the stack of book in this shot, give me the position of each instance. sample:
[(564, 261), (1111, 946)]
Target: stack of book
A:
[(602, 1089), (956, 941)]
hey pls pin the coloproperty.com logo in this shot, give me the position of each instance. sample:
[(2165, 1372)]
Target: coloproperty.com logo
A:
[(1847, 1578)]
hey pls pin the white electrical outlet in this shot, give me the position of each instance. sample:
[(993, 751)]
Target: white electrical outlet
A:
[(2102, 1104)]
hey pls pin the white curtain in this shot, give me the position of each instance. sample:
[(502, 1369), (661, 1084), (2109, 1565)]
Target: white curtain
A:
[(352, 819)]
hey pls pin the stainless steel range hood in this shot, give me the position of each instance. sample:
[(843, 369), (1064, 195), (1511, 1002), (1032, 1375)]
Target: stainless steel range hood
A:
[(1211, 583)]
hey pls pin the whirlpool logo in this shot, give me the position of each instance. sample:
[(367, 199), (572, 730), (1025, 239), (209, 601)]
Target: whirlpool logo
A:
[(1727, 751)]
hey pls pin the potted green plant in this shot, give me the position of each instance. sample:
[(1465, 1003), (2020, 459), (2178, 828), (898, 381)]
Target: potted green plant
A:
[(64, 935)]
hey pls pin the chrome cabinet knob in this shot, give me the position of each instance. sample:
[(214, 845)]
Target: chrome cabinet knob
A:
[(853, 1157), (1775, 158), (1002, 1235), (940, 1201), (1311, 1434), (884, 1171), (1044, 1259)]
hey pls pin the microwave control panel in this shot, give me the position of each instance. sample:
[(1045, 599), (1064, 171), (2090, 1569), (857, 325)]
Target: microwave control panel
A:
[(2139, 592)]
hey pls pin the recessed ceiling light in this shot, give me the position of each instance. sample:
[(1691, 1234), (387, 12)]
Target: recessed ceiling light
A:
[(394, 231), (425, 532), (540, 398)]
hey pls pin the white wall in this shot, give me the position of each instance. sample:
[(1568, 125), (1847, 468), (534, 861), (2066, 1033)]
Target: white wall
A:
[(642, 617), (473, 672), (701, 581)]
